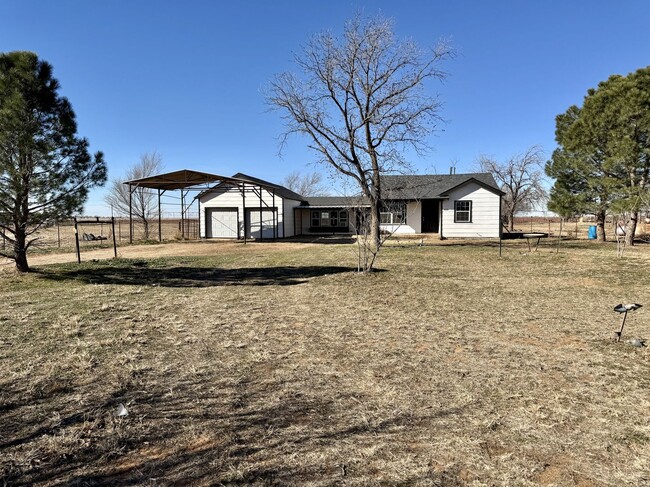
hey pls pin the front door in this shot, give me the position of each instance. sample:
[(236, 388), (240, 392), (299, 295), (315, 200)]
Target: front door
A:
[(430, 216)]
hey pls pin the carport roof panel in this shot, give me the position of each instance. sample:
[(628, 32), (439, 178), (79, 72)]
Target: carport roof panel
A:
[(185, 178)]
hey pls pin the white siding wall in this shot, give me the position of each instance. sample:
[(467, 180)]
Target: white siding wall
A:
[(231, 197), (485, 213), (290, 224)]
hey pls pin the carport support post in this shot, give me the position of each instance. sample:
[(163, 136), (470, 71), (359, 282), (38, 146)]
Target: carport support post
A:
[(243, 202), (182, 215), (130, 214), (261, 217), (159, 219), (275, 227)]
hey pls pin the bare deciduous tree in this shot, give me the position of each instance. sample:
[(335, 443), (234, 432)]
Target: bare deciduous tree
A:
[(521, 178), (310, 184), (393, 213), (361, 101), (143, 201)]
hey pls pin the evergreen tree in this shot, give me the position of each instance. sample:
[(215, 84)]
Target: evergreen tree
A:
[(603, 157), (45, 169)]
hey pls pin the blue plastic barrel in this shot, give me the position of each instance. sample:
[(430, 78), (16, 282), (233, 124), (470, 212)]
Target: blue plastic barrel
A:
[(593, 234)]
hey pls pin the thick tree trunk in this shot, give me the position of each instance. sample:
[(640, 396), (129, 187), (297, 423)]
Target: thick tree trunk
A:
[(20, 253), (630, 228), (375, 220), (511, 222), (600, 226), (145, 224)]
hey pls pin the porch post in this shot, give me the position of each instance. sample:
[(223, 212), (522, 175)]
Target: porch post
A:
[(440, 202)]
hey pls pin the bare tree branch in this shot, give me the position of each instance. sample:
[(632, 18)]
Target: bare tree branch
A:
[(360, 100), (143, 200), (309, 184), (521, 178)]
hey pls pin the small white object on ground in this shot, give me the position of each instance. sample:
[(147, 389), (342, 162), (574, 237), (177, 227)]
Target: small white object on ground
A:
[(637, 342), (121, 411)]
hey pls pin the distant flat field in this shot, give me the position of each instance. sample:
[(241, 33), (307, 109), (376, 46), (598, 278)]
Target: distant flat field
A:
[(277, 364)]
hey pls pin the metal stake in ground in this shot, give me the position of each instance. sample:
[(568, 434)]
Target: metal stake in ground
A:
[(624, 308)]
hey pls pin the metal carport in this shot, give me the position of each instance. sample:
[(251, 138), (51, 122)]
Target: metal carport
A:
[(187, 180)]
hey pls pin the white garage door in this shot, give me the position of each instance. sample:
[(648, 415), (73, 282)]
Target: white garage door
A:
[(260, 226), (221, 223)]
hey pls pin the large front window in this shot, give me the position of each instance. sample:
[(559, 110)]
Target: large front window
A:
[(463, 211), (329, 218), (393, 213)]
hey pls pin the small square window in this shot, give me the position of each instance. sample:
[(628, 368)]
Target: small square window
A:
[(463, 211)]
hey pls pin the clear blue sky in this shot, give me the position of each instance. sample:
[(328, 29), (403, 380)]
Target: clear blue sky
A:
[(186, 78)]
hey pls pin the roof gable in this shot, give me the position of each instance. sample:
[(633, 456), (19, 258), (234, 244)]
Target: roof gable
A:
[(415, 187), (482, 184)]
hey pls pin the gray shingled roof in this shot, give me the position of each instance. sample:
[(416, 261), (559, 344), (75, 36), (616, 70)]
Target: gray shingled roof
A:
[(413, 187), (332, 201)]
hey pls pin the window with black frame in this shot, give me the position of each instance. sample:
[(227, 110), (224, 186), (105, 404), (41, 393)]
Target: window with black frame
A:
[(343, 219), (315, 218), (329, 218), (463, 211)]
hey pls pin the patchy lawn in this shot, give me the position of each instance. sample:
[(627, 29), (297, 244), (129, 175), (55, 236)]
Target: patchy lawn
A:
[(268, 364)]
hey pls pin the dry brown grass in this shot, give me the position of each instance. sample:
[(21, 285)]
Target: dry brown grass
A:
[(272, 364)]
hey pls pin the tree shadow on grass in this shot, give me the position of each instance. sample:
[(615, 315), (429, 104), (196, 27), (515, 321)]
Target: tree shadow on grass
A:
[(218, 431), (142, 273)]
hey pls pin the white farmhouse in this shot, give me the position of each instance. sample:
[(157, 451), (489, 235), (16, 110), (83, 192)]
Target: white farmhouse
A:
[(455, 205)]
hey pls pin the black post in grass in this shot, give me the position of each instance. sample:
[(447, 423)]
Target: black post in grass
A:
[(114, 242), (76, 240)]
